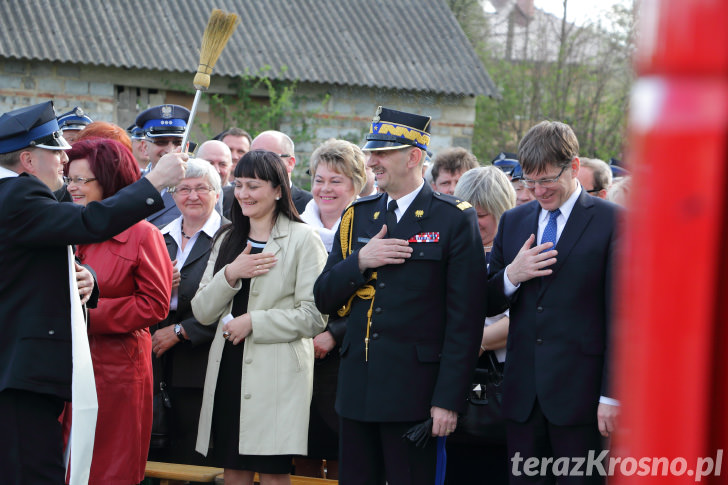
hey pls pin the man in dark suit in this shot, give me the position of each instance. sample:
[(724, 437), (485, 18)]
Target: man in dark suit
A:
[(413, 276), (164, 127), (280, 143), (555, 394), (35, 310)]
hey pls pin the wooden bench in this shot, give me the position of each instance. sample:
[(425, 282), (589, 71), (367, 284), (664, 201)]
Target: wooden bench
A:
[(169, 473)]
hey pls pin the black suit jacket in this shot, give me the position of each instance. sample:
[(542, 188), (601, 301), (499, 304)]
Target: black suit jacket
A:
[(300, 198), (35, 349), (169, 213), (559, 324), (186, 362), (228, 195), (427, 313)]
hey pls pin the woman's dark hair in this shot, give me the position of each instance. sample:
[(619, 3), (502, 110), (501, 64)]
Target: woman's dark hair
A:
[(111, 162), (263, 165)]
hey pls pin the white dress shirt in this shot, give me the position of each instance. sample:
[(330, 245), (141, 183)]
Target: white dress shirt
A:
[(174, 229), (405, 201)]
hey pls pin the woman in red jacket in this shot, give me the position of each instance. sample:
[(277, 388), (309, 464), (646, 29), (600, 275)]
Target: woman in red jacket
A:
[(134, 276)]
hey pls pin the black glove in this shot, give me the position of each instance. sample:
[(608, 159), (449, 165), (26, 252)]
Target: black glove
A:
[(419, 434)]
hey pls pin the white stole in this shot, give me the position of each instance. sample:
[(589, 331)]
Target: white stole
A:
[(83, 390)]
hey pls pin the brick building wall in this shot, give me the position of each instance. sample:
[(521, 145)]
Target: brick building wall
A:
[(117, 95), (24, 83)]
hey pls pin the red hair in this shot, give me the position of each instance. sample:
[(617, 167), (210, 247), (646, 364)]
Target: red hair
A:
[(111, 162), (103, 129)]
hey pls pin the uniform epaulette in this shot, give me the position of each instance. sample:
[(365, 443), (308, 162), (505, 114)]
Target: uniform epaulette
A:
[(368, 198), (459, 203)]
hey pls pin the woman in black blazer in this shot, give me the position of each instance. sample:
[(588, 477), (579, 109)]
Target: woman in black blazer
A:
[(181, 344)]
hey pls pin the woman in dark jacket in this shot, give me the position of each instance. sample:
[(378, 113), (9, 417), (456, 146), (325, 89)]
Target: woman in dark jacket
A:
[(338, 174), (180, 343)]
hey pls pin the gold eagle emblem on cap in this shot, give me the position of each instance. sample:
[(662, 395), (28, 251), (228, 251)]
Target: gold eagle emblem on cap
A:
[(166, 111)]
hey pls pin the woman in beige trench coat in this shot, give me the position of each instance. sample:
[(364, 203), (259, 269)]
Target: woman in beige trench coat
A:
[(258, 285)]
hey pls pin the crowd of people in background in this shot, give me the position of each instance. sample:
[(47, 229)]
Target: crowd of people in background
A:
[(262, 328)]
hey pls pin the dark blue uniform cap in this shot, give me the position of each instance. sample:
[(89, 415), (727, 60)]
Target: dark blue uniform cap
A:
[(135, 132), (507, 165), (75, 119), (504, 155), (618, 171), (392, 129), (164, 120), (507, 162), (517, 173), (34, 126)]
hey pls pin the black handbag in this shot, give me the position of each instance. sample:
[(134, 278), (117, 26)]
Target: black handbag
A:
[(161, 406), (483, 422)]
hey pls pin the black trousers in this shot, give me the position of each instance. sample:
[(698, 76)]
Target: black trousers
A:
[(32, 438), (539, 438), (375, 453)]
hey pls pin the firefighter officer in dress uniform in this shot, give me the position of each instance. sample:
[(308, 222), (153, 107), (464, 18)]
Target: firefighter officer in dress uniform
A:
[(408, 269)]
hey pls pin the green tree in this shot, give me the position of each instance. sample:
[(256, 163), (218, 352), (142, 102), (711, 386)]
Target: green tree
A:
[(580, 75)]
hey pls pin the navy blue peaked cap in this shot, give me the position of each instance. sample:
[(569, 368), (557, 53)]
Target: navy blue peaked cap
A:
[(164, 120), (33, 126), (75, 119), (517, 173), (507, 162), (392, 129), (135, 132)]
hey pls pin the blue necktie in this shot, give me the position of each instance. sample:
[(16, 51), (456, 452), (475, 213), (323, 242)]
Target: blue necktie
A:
[(549, 234)]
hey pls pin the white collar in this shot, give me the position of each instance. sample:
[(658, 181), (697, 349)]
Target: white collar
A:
[(312, 216), (210, 227), (5, 173), (405, 201)]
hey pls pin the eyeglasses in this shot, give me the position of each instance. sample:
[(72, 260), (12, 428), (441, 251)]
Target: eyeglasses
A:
[(283, 155), (77, 180), (546, 183), (593, 191), (163, 142), (202, 189)]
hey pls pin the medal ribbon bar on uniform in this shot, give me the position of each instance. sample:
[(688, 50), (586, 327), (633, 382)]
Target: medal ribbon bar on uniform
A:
[(425, 237)]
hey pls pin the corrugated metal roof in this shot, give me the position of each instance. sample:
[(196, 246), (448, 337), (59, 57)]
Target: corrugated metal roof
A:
[(400, 44)]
